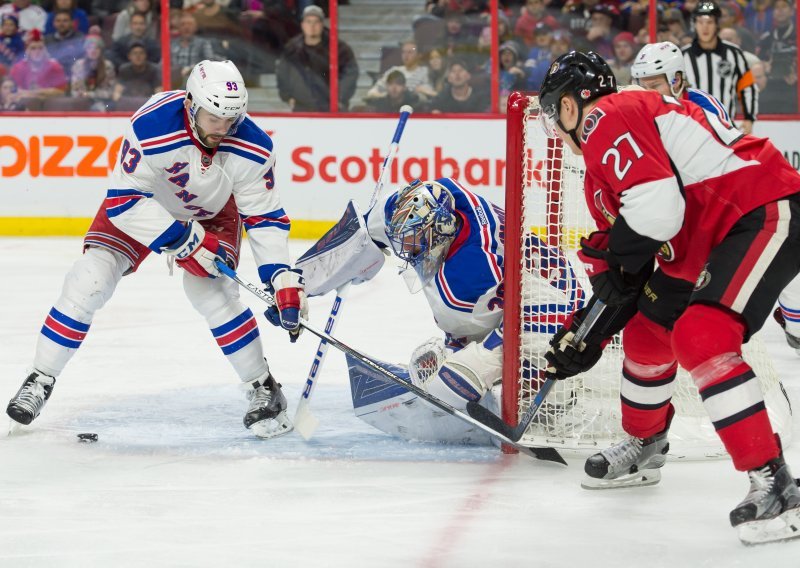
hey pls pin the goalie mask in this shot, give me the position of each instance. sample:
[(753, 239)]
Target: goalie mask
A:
[(218, 88), (421, 224)]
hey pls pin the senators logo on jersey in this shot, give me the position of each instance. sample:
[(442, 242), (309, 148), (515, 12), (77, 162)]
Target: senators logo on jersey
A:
[(590, 123)]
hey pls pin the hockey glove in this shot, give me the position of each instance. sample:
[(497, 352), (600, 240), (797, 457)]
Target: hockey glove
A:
[(290, 302), (610, 283), (196, 251), (565, 360)]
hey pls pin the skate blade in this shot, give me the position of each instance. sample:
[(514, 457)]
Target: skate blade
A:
[(641, 478), (782, 527), (274, 427)]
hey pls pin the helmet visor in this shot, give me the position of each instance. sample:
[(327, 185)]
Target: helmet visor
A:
[(548, 119)]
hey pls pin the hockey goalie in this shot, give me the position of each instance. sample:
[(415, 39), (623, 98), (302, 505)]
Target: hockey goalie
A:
[(451, 243)]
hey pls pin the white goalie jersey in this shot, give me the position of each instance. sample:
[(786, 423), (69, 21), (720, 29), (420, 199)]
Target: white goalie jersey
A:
[(165, 178)]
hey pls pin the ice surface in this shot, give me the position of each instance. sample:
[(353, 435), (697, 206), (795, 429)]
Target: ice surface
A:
[(175, 480)]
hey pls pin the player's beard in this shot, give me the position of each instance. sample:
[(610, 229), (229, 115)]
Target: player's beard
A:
[(208, 140)]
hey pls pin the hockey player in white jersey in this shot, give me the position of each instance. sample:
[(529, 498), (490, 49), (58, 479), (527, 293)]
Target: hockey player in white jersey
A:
[(192, 169), (452, 240)]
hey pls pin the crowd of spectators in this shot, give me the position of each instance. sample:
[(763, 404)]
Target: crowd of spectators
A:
[(106, 54)]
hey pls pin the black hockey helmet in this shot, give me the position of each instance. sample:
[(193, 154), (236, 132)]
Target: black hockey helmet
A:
[(707, 8), (585, 76)]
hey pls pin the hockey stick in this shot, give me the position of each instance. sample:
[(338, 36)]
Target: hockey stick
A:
[(304, 420), (515, 433), (547, 454)]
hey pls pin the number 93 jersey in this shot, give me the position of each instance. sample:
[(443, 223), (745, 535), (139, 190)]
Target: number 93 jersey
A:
[(676, 175), (164, 178)]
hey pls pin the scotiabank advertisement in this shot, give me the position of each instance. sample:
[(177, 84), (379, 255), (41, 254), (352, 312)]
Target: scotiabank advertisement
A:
[(58, 167)]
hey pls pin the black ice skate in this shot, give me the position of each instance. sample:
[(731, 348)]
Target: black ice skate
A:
[(30, 398), (793, 341), (632, 462), (771, 509), (266, 414)]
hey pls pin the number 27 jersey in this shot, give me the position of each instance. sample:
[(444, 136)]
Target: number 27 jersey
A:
[(677, 174)]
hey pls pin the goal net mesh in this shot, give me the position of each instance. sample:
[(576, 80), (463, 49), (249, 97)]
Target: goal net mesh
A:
[(545, 199)]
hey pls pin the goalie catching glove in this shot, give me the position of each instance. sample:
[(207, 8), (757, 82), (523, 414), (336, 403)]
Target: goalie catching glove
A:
[(196, 251), (610, 282), (290, 302)]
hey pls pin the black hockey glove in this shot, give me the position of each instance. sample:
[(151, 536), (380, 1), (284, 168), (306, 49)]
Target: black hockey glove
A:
[(565, 360), (610, 283)]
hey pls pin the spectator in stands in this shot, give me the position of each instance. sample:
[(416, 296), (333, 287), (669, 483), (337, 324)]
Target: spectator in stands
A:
[(562, 41), (532, 13), (93, 76), (415, 72), (38, 76), (441, 7), (624, 54), (65, 44), (731, 17), (719, 68), (396, 96), (539, 57), (758, 17), (118, 54), (458, 39), (576, 16), (78, 18), (302, 70), (731, 35), (213, 19), (780, 96), (30, 16), (782, 39), (436, 75), (12, 46), (458, 95), (137, 80), (601, 30), (512, 74), (673, 18), (122, 25), (8, 96), (760, 77), (633, 14), (187, 50)]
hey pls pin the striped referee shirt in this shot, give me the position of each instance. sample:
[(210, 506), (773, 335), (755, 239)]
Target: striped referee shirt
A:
[(723, 73)]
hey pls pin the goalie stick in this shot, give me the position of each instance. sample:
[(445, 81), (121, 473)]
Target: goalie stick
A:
[(515, 433), (547, 454), (304, 420)]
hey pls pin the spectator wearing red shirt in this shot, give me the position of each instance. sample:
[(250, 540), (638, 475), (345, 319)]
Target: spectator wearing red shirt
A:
[(531, 14), (37, 75)]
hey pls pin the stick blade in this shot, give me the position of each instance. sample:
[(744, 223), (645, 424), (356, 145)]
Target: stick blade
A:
[(305, 423), (490, 419), (544, 454)]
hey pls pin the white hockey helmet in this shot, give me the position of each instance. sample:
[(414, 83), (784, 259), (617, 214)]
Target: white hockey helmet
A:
[(664, 58), (217, 87), (421, 223)]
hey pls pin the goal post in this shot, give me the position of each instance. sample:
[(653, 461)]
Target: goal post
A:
[(545, 199)]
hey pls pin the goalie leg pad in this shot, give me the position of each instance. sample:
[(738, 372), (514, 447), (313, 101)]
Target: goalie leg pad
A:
[(467, 374), (708, 343)]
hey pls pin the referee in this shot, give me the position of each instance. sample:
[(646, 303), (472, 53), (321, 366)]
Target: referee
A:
[(718, 67)]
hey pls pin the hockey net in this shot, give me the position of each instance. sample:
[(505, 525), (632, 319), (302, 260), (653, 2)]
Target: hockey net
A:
[(544, 198)]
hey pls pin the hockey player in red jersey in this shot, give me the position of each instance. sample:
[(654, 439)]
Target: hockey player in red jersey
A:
[(719, 212), (193, 169)]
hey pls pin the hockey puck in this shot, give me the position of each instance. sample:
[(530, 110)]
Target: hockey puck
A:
[(87, 437)]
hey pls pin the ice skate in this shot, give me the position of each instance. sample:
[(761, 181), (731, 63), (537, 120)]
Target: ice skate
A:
[(771, 509), (632, 462), (793, 341), (30, 399), (266, 414)]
